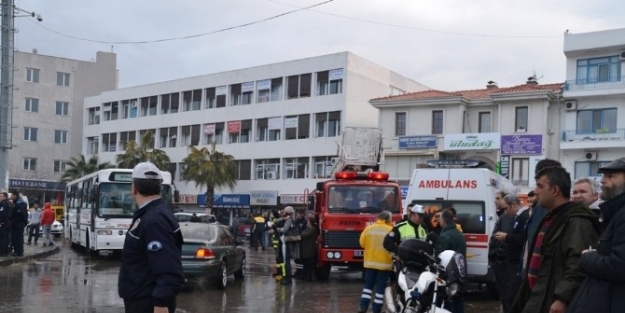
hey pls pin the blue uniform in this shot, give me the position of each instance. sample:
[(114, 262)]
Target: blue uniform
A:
[(151, 266)]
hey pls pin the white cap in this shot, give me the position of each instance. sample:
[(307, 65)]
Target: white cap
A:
[(417, 209), (146, 170)]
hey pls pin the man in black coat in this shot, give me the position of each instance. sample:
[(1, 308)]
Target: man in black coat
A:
[(603, 289), (19, 222), (5, 223)]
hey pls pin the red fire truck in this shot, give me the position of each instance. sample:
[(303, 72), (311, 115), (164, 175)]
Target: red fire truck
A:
[(352, 200)]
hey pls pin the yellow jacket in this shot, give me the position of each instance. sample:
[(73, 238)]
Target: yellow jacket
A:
[(372, 240)]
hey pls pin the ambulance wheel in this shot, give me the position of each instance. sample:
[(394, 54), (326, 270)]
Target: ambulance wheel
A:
[(323, 273)]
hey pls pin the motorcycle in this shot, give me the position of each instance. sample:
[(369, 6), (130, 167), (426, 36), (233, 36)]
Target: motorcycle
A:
[(424, 281)]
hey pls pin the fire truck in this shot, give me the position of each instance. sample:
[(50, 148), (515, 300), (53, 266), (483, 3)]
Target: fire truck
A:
[(352, 200)]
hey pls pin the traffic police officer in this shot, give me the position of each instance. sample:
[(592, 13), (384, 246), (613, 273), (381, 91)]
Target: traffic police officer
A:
[(151, 268), (411, 228), (5, 223)]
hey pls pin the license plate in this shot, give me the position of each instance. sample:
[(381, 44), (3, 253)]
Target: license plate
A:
[(358, 253)]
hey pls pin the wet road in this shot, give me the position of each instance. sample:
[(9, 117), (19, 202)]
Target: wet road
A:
[(71, 281)]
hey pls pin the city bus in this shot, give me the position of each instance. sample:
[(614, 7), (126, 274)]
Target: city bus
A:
[(99, 208)]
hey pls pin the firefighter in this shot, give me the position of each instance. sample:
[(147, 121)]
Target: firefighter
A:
[(276, 222)]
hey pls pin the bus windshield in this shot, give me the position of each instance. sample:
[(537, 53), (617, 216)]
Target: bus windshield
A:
[(363, 199), (115, 199)]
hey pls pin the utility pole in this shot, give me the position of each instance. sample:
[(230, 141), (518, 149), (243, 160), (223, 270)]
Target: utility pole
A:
[(6, 89)]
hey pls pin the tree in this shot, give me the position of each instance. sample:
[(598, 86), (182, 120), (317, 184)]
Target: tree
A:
[(137, 153), (78, 167), (209, 168)]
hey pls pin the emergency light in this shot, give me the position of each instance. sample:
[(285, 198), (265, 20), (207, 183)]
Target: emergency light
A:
[(453, 163), (379, 176)]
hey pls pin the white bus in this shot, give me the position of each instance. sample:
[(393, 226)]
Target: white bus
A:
[(99, 208)]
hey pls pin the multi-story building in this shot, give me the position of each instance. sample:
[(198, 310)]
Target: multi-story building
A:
[(281, 122), (508, 129), (593, 117), (47, 116)]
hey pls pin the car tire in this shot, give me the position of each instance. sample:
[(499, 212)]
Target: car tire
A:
[(241, 272), (223, 276)]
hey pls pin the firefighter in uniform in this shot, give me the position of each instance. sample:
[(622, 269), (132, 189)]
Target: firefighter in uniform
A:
[(276, 222), (151, 269), (414, 227)]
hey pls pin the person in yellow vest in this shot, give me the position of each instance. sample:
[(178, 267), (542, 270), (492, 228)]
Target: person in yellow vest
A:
[(378, 263), (414, 227)]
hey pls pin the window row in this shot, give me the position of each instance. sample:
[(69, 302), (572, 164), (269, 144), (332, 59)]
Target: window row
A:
[(32, 105), (32, 75), (596, 121), (599, 70), (325, 124), (276, 89), (30, 165), (60, 136)]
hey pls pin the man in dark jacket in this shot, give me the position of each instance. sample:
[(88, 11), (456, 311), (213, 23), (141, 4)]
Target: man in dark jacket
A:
[(553, 274), (5, 223), (451, 238), (309, 249), (19, 222), (151, 266), (497, 250), (604, 288)]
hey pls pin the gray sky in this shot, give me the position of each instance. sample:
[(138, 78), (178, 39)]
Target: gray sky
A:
[(444, 44)]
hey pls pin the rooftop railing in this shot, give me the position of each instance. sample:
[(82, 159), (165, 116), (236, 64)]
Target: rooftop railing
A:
[(597, 134), (594, 83)]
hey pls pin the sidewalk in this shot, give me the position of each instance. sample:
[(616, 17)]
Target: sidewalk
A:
[(32, 252)]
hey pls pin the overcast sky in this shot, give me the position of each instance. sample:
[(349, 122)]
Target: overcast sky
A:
[(444, 44)]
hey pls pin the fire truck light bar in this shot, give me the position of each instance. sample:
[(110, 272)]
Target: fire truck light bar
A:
[(380, 176)]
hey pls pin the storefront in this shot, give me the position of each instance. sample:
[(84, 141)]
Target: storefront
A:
[(39, 191), (226, 206), (263, 201), (297, 201)]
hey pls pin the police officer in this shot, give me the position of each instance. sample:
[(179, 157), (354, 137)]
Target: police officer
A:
[(151, 269), (5, 223), (414, 227), (18, 223)]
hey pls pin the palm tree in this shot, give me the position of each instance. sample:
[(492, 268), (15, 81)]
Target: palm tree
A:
[(210, 169), (78, 167), (137, 153)]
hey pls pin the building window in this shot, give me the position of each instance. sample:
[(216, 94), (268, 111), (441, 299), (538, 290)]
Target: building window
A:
[(269, 90), (437, 122), (328, 124), (32, 75), (192, 100), (520, 171), (241, 93), (213, 133), (296, 168), (59, 166), (596, 121), (32, 105), (244, 169), (94, 116), (150, 145), (330, 82), (129, 108), (148, 106), (268, 129), (298, 86), (520, 119), (216, 97), (60, 136), (62, 108), (297, 127), (109, 142), (485, 122), (125, 138), (400, 124), (30, 134), (268, 169), (170, 103), (588, 169), (598, 70), (239, 131), (62, 79), (93, 145), (30, 164), (110, 111), (323, 166), (190, 135), (168, 137)]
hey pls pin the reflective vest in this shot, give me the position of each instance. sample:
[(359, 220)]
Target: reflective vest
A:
[(406, 231)]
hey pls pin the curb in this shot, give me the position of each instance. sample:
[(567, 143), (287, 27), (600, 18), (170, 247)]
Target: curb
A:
[(15, 260)]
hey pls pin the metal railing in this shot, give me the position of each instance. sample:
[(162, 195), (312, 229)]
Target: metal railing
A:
[(598, 134), (592, 84)]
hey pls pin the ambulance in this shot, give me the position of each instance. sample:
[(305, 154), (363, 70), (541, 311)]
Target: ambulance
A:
[(471, 191)]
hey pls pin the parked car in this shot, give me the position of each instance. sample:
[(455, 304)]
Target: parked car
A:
[(209, 251), (56, 229), (245, 226), (204, 218)]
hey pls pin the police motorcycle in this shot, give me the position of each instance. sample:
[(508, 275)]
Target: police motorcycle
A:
[(424, 281)]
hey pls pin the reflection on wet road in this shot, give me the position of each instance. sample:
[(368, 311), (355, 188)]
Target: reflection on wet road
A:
[(71, 281)]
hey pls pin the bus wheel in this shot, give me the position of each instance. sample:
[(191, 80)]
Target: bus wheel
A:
[(92, 253)]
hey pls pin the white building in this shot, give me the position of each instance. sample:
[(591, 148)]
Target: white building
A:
[(594, 116), (280, 121), (47, 115), (511, 127)]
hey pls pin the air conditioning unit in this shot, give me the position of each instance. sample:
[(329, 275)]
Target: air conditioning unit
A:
[(623, 55), (591, 155), (570, 105), (333, 160), (272, 175)]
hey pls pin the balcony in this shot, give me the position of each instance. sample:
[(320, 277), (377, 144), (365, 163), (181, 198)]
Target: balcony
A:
[(589, 87), (601, 138)]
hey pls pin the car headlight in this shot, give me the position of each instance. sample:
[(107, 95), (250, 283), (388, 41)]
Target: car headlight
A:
[(452, 289)]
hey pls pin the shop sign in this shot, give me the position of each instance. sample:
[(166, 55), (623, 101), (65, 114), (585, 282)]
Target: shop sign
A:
[(264, 197), (475, 141)]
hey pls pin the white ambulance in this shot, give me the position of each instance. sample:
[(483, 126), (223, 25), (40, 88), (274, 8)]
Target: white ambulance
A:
[(471, 191)]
